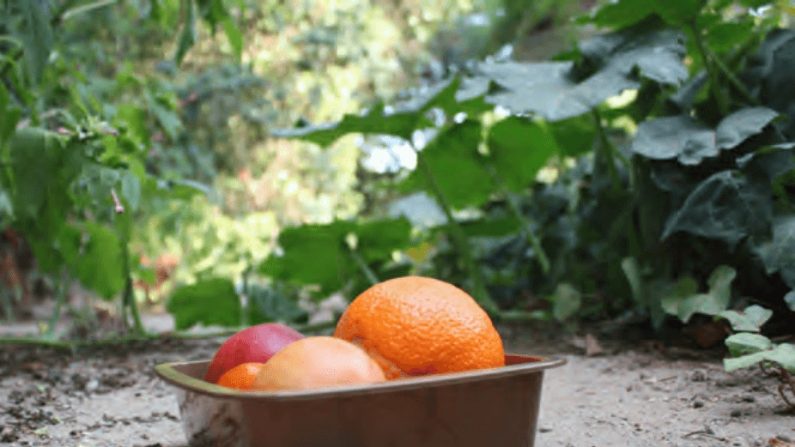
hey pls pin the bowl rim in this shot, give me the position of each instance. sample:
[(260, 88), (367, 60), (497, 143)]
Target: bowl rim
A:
[(520, 365)]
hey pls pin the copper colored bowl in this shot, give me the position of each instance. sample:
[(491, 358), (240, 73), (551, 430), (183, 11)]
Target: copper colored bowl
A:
[(493, 407)]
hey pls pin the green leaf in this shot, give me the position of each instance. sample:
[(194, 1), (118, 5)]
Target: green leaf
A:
[(566, 301), (726, 36), (553, 90), (726, 206), (400, 123), (679, 137), (378, 239), (266, 304), (208, 302), (9, 117), (682, 302), (234, 35), (574, 136), (678, 12), (632, 272), (745, 361), (690, 141), (784, 355), (187, 36), (452, 166), (778, 253), (769, 73), (36, 156), (519, 148), (749, 320), (100, 266), (746, 343), (769, 161), (37, 36), (622, 13), (789, 299), (312, 254), (492, 227), (741, 125)]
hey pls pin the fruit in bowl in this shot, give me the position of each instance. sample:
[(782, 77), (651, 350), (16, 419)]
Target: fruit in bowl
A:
[(416, 325), (254, 344), (317, 362)]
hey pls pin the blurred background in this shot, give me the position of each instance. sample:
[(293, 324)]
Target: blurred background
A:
[(145, 169)]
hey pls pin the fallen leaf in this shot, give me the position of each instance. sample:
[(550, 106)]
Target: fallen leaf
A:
[(592, 346)]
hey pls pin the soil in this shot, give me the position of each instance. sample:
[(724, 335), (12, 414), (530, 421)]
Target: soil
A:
[(643, 394)]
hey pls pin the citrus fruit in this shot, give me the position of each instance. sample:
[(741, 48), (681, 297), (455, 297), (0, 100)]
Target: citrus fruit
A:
[(415, 325), (253, 344), (317, 362), (241, 376)]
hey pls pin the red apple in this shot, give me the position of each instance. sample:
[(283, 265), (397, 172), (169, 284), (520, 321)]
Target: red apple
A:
[(254, 344)]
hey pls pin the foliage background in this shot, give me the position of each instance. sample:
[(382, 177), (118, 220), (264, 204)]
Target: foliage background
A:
[(641, 173)]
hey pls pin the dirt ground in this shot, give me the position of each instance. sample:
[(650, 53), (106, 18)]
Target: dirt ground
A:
[(630, 395)]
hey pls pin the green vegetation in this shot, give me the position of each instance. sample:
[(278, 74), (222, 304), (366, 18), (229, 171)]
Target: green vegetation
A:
[(644, 175)]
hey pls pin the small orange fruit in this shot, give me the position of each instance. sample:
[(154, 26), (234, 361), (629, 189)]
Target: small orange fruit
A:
[(241, 376), (317, 362), (415, 325)]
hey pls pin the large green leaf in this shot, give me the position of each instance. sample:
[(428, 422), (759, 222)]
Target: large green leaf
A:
[(37, 35), (789, 300), (554, 91), (35, 157), (266, 304), (312, 254), (208, 302), (187, 37), (770, 162), (726, 206), (9, 116), (518, 148), (451, 165), (689, 141), (100, 265), (778, 253), (749, 320), (770, 73), (378, 239), (566, 301), (622, 13), (684, 303), (402, 122), (783, 354), (678, 12), (574, 136), (740, 125), (747, 343)]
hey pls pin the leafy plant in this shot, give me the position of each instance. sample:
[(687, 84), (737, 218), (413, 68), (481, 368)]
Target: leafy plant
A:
[(627, 167)]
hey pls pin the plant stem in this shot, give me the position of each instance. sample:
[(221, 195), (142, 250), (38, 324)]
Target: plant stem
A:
[(60, 298), (543, 259), (366, 270), (605, 153), (733, 80), (720, 96), (128, 299), (459, 239)]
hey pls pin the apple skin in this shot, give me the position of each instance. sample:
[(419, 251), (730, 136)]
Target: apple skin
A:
[(254, 344)]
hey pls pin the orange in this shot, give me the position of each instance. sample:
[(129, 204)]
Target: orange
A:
[(416, 325), (317, 362), (241, 376)]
